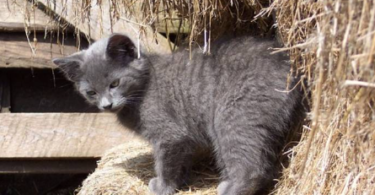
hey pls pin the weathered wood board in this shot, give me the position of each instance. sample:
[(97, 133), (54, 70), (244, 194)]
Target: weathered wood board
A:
[(16, 51), (59, 135), (97, 23), (15, 15)]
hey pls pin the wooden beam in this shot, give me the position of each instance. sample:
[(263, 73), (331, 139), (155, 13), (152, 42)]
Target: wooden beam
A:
[(97, 22), (19, 27), (59, 135), (172, 24), (16, 51), (16, 15)]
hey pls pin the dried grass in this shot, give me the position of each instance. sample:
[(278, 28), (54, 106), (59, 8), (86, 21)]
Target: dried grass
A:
[(210, 19), (204, 21), (333, 43), (127, 169)]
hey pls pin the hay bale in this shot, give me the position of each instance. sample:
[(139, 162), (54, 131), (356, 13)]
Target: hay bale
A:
[(127, 169), (123, 170), (333, 42)]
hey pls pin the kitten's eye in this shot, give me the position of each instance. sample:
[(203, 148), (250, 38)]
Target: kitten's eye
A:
[(91, 93), (115, 83)]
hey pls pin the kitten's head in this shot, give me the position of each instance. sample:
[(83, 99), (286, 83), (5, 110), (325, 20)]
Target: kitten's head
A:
[(108, 74)]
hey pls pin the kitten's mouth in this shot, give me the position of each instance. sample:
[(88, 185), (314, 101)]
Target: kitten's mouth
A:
[(113, 109)]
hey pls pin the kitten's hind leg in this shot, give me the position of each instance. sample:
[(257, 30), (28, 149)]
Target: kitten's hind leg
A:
[(173, 161), (247, 163), (244, 186)]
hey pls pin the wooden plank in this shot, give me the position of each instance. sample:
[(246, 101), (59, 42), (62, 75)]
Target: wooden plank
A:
[(59, 135), (48, 166), (96, 22), (17, 14), (19, 27), (16, 51), (172, 23), (172, 26)]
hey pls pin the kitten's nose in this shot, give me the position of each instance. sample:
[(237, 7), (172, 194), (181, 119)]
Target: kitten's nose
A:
[(107, 107)]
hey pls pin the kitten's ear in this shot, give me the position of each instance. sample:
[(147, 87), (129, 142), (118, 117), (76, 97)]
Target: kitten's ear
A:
[(71, 65), (121, 47)]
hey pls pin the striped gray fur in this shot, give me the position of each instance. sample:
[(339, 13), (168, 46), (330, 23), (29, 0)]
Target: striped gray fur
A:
[(229, 103)]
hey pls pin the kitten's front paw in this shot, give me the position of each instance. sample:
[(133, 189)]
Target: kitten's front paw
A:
[(158, 187), (225, 188)]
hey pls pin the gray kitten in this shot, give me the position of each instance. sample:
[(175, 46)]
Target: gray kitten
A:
[(229, 102)]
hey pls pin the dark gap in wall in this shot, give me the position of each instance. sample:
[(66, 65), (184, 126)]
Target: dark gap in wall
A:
[(44, 90), (40, 184)]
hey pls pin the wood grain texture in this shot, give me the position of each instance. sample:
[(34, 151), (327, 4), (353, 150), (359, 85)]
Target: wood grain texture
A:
[(15, 15), (59, 135), (16, 51), (97, 23)]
